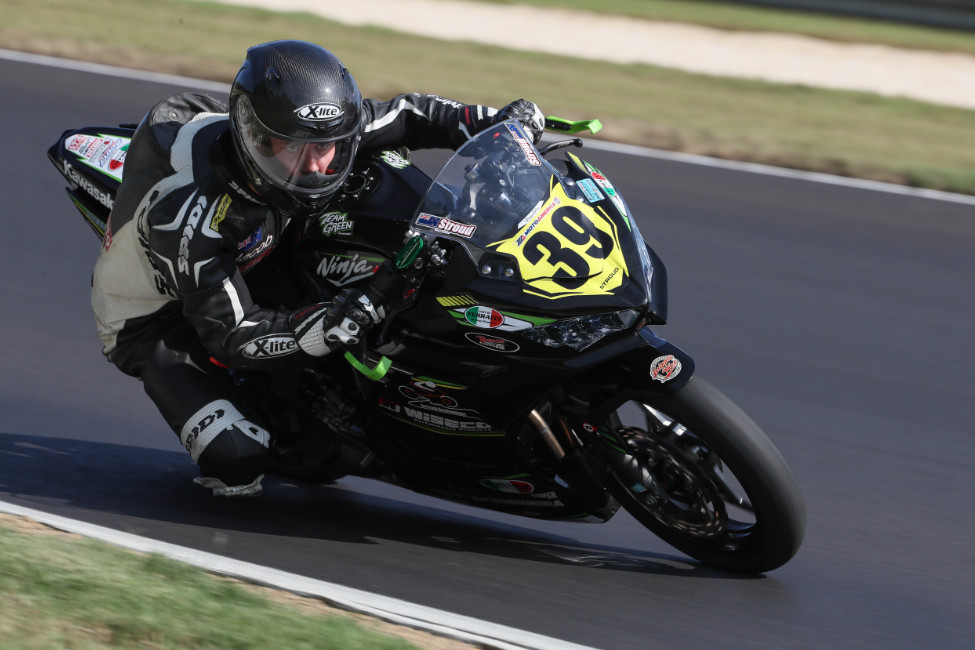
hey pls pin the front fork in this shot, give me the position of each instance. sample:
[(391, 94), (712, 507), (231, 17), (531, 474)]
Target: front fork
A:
[(578, 430)]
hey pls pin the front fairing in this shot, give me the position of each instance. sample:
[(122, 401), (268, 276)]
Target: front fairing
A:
[(532, 235)]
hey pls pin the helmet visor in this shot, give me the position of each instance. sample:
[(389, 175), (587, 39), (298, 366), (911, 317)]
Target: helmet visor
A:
[(305, 166)]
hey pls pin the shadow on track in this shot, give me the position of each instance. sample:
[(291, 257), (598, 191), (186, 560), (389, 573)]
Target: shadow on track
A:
[(156, 485)]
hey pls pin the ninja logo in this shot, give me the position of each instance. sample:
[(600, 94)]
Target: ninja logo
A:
[(343, 269)]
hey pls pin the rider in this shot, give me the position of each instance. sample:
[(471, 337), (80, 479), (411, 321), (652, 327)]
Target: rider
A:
[(208, 193)]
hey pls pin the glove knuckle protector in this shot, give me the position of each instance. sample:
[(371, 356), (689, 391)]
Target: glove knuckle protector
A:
[(528, 114)]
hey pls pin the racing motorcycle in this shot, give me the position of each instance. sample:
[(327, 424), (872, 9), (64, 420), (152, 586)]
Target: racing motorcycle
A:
[(517, 369)]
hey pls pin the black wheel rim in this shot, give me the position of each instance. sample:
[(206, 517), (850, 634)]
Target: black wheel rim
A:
[(683, 484)]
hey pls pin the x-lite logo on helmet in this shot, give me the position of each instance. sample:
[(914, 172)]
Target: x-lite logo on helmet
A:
[(319, 112)]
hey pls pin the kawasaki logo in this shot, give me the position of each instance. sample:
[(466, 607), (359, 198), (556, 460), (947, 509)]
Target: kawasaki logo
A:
[(344, 269), (319, 112), (103, 197)]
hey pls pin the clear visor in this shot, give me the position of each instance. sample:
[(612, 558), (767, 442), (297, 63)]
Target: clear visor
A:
[(304, 166)]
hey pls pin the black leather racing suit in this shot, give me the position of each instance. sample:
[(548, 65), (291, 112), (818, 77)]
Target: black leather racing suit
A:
[(170, 290)]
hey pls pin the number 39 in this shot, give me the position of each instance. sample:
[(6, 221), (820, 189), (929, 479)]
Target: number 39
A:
[(564, 221)]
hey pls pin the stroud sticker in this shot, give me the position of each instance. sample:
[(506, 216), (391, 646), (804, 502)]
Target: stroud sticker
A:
[(446, 225)]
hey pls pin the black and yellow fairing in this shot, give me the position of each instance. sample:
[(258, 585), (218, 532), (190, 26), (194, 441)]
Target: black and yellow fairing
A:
[(578, 253)]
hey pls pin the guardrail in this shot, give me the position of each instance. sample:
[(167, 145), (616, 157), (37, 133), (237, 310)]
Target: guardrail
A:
[(952, 14)]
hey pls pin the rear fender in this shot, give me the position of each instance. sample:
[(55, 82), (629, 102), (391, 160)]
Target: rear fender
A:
[(91, 159)]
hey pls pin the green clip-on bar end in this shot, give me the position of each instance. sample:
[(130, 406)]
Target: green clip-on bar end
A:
[(568, 126), (375, 373)]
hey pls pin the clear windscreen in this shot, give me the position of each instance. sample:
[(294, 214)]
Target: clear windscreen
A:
[(491, 184), (498, 196)]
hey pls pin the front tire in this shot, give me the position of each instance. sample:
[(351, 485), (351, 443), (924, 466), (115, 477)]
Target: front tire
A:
[(701, 475)]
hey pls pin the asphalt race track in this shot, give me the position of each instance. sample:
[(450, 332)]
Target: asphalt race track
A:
[(839, 318)]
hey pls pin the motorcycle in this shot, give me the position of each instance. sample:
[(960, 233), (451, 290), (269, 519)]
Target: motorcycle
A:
[(517, 369)]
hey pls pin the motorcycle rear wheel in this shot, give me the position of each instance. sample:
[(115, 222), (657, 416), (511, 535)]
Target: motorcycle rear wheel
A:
[(704, 477)]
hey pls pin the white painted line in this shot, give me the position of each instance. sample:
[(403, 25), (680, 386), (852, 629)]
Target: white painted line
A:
[(625, 149), (455, 626), (114, 71)]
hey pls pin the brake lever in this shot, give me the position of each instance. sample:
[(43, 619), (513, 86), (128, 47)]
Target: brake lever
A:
[(394, 286)]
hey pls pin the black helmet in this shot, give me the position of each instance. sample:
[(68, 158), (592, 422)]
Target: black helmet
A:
[(296, 119)]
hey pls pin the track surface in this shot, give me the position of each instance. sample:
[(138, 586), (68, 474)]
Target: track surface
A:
[(840, 319)]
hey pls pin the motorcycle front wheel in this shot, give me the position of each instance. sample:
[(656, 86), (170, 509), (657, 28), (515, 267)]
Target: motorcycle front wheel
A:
[(702, 476)]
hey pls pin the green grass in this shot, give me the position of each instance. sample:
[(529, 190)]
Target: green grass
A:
[(849, 133), (82, 594)]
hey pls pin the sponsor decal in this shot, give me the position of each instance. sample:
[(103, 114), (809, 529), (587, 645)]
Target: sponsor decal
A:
[(110, 150), (115, 164), (77, 178), (490, 318), (267, 347), (446, 101), (484, 317), (394, 160), (511, 486), (428, 405), (106, 154), (525, 145), (335, 223), (445, 225), (256, 250), (204, 423), (447, 424), (322, 112), (664, 368), (544, 212), (344, 269), (609, 277), (221, 213), (237, 188), (608, 188), (183, 263), (251, 241), (494, 343), (75, 142), (590, 190), (429, 395)]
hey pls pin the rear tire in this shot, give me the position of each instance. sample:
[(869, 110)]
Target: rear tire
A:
[(705, 478)]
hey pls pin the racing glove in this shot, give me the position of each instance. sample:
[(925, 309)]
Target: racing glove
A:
[(478, 118), (527, 113), (321, 328)]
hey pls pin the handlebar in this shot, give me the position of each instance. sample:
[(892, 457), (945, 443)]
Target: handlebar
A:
[(391, 287)]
